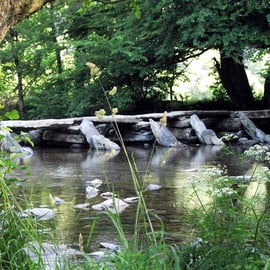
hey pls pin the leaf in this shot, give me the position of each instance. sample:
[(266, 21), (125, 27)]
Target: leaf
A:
[(136, 9), (12, 115), (26, 138)]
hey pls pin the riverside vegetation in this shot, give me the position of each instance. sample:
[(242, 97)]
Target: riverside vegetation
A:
[(230, 231)]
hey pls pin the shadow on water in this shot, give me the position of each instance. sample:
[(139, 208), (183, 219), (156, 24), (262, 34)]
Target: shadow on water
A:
[(65, 173)]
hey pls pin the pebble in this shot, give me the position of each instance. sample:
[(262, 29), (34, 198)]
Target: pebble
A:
[(82, 206), (114, 205), (91, 192), (95, 183), (131, 199), (108, 195), (109, 246), (152, 187), (40, 213)]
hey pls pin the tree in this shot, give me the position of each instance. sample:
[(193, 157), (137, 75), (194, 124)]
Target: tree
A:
[(141, 51), (235, 81), (137, 51), (232, 27), (11, 12), (138, 48), (30, 53)]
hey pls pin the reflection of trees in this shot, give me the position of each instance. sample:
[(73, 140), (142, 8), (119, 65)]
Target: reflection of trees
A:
[(234, 161), (97, 158), (168, 162), (206, 153)]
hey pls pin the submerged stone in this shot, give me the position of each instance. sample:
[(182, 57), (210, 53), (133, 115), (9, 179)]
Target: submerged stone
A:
[(91, 192), (152, 187), (40, 213), (113, 205), (52, 255), (131, 199), (109, 246), (95, 183), (82, 206)]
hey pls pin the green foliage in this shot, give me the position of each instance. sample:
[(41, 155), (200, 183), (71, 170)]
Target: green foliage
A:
[(222, 25), (137, 45), (13, 115), (16, 232), (233, 228)]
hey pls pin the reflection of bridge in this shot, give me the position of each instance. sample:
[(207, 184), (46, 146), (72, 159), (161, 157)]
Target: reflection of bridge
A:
[(136, 128)]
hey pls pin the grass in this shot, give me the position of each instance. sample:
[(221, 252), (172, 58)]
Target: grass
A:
[(16, 232)]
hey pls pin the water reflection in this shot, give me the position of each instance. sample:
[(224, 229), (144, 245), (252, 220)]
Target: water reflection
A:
[(65, 173)]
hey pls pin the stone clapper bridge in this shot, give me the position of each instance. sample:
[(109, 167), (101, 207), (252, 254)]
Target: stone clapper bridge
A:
[(172, 129)]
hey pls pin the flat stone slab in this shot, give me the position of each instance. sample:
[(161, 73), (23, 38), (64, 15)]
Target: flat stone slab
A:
[(62, 123)]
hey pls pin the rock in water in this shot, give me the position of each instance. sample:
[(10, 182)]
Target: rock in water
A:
[(40, 213), (57, 200), (131, 199), (96, 140), (95, 183), (163, 136), (99, 142), (205, 135), (251, 129), (113, 205), (9, 144), (53, 256), (82, 206), (108, 195), (109, 246), (152, 187), (88, 129), (91, 192)]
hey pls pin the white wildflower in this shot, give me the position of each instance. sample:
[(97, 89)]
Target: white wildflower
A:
[(214, 172), (229, 137), (195, 180), (225, 191), (259, 152)]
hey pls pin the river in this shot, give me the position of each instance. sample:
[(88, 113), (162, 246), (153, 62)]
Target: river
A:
[(65, 173)]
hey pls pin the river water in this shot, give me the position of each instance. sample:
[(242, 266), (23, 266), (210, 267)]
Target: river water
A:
[(65, 173)]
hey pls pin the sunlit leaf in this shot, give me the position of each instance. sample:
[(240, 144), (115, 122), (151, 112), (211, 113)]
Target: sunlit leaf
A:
[(12, 115), (27, 138)]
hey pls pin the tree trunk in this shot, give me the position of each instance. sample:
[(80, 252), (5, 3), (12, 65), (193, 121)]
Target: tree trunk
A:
[(19, 73), (234, 79), (266, 95), (13, 11), (54, 36)]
